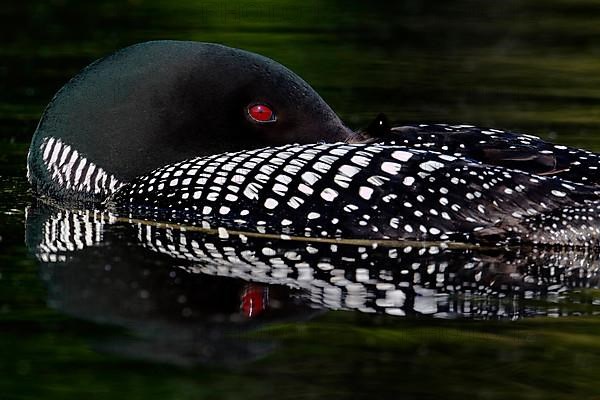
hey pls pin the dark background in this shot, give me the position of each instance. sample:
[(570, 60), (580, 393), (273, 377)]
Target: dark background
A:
[(531, 66), (525, 65)]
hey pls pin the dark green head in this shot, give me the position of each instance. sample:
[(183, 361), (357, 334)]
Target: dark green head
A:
[(160, 102)]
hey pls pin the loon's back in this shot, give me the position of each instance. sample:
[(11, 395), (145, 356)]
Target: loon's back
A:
[(524, 152)]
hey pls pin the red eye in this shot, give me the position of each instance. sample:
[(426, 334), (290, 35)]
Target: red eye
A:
[(261, 113)]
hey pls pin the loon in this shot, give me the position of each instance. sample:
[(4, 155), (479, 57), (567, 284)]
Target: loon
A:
[(205, 134)]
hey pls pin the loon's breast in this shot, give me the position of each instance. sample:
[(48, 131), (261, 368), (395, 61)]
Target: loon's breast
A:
[(382, 191)]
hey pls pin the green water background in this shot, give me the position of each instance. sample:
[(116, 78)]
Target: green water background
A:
[(531, 66)]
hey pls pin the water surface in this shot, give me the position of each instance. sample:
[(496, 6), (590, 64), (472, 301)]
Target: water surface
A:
[(97, 307)]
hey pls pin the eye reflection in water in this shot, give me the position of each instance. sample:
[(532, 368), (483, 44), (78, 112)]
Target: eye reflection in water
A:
[(188, 294)]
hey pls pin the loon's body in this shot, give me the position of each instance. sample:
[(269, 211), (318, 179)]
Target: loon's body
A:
[(364, 191), (177, 131)]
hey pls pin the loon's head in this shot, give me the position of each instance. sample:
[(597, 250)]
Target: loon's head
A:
[(160, 102)]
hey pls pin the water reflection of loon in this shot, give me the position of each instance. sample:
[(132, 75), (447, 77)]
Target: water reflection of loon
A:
[(171, 148), (371, 278)]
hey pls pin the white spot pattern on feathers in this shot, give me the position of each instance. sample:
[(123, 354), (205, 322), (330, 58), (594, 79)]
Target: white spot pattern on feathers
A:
[(365, 187)]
